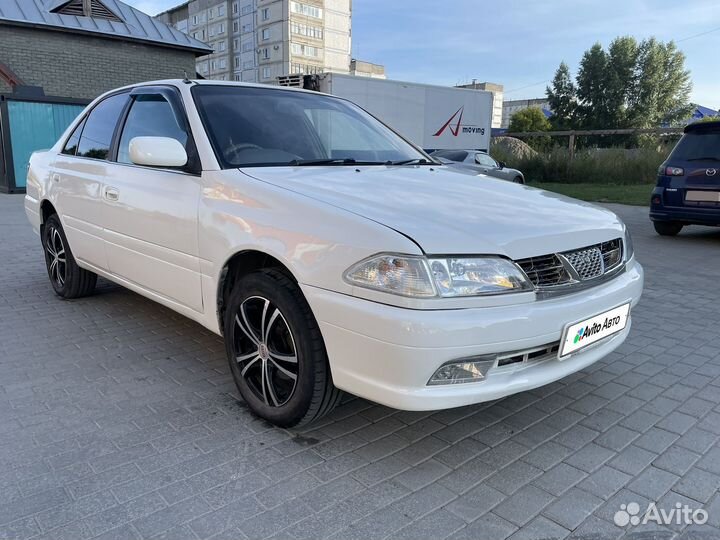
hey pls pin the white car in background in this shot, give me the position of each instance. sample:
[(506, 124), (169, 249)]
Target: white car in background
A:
[(330, 253)]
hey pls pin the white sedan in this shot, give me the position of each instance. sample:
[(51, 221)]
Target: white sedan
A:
[(329, 252)]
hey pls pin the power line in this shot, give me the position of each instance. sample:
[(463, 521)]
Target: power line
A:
[(698, 35), (527, 86)]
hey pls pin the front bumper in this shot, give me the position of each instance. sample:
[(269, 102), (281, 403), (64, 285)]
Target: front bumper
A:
[(387, 354)]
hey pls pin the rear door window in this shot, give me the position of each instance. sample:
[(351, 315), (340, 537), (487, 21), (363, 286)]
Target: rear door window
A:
[(100, 126)]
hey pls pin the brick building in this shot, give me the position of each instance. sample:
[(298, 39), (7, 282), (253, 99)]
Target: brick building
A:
[(57, 55)]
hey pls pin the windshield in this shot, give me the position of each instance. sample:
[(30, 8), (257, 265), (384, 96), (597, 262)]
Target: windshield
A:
[(698, 146), (253, 127)]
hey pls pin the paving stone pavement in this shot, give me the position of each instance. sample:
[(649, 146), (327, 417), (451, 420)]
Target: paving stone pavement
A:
[(119, 419)]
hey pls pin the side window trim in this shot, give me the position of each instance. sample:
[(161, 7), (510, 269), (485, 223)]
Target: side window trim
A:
[(174, 99)]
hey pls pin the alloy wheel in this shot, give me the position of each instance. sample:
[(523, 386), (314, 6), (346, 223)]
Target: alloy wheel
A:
[(57, 259), (265, 351)]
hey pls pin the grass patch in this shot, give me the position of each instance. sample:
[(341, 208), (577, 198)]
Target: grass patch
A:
[(635, 194)]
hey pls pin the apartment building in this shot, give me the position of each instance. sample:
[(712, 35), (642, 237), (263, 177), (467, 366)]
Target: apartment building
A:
[(260, 40), (497, 92)]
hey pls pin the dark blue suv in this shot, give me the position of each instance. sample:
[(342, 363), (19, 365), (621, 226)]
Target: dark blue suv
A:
[(688, 184)]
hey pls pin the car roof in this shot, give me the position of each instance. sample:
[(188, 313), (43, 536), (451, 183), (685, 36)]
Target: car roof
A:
[(711, 126)]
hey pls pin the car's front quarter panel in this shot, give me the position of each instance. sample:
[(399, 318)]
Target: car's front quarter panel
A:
[(316, 241)]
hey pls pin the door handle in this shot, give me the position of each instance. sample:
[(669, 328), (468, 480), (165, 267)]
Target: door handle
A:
[(56, 177), (111, 193)]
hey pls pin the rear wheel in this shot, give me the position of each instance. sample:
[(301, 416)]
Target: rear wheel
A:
[(667, 228), (276, 352), (68, 280), (518, 180)]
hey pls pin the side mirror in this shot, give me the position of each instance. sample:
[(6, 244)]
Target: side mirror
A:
[(502, 164), (157, 152)]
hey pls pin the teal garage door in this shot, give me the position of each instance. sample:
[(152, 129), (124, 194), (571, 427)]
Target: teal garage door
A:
[(36, 126)]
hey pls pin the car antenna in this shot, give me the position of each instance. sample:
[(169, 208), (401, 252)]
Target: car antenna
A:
[(186, 80)]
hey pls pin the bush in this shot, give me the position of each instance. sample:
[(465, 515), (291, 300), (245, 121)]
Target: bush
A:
[(594, 165)]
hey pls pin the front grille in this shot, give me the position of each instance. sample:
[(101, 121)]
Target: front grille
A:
[(528, 356), (570, 267), (544, 271), (588, 263)]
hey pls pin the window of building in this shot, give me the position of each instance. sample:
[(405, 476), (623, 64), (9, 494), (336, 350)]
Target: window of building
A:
[(221, 28), (211, 13), (212, 65), (203, 35), (249, 64), (247, 46), (100, 126), (221, 10), (223, 63), (308, 31), (212, 31), (149, 116), (246, 10), (266, 53), (266, 33), (265, 14), (305, 50), (237, 61), (247, 27), (235, 8), (195, 35), (236, 27), (195, 19), (222, 45), (71, 146), (266, 73), (236, 43), (238, 77), (305, 9)]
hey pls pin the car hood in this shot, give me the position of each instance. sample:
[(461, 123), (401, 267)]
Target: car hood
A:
[(449, 213)]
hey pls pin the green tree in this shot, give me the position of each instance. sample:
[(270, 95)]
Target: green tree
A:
[(530, 119), (662, 88), (562, 99), (591, 88), (620, 80)]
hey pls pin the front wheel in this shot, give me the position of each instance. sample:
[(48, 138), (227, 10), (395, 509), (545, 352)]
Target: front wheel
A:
[(518, 180), (68, 280), (667, 228), (276, 352)]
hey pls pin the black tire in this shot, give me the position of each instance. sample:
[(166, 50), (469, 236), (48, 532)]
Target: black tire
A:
[(518, 180), (667, 228), (255, 358), (68, 280)]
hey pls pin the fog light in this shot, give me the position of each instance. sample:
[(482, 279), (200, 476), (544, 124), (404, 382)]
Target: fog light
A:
[(461, 371)]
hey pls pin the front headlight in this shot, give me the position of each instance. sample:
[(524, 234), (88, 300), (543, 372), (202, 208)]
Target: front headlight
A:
[(419, 277), (629, 250), (475, 276)]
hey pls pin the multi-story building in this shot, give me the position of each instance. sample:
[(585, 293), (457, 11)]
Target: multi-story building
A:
[(513, 106), (260, 40), (497, 92)]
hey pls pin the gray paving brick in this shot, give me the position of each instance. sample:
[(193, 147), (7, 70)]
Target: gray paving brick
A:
[(698, 484), (439, 524), (171, 516), (476, 502), (559, 479), (523, 506), (604, 482), (423, 501), (590, 457), (653, 483), (572, 508), (632, 460), (513, 477), (488, 526)]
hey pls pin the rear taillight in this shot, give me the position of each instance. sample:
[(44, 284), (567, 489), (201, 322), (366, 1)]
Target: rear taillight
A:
[(674, 171), (656, 199)]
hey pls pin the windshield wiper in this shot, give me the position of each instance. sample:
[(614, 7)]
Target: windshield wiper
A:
[(414, 161), (711, 158), (327, 161)]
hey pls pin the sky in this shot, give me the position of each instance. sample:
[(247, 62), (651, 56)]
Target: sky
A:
[(520, 43)]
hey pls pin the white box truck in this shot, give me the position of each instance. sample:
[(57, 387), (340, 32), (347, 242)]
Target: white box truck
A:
[(433, 117)]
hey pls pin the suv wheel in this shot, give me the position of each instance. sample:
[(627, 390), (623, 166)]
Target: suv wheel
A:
[(66, 277), (276, 352), (667, 228)]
